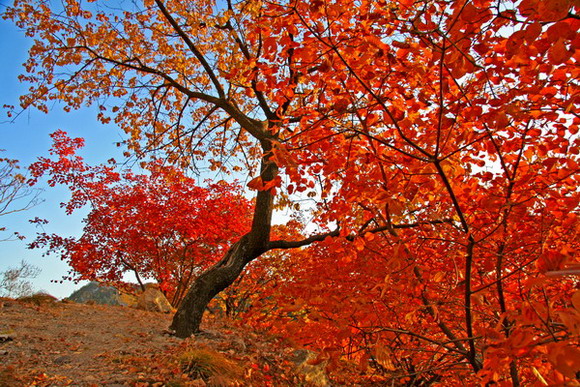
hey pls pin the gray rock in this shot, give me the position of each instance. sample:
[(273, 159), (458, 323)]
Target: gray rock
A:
[(93, 292), (63, 360)]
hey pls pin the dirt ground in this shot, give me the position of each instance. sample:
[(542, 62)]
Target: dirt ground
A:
[(76, 344), (51, 343)]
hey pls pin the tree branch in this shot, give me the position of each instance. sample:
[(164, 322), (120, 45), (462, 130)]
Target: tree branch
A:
[(192, 47), (280, 244)]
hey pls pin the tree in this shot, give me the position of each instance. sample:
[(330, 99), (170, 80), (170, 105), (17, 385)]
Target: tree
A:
[(443, 132), (160, 225), (13, 282), (13, 190)]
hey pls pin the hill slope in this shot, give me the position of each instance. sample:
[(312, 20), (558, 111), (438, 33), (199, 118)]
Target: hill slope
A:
[(52, 343), (105, 295)]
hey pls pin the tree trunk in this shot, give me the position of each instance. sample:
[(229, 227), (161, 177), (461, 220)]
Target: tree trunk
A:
[(188, 317)]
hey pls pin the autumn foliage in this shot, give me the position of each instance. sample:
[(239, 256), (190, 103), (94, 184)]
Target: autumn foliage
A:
[(433, 146), (157, 226)]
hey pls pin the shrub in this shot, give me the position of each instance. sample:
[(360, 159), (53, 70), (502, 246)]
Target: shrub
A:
[(211, 366), (13, 282), (39, 299)]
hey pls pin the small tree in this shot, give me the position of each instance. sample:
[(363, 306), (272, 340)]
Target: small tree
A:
[(15, 194), (14, 281), (160, 225)]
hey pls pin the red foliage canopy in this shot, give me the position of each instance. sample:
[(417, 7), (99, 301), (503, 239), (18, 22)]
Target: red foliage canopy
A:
[(440, 136), (159, 225)]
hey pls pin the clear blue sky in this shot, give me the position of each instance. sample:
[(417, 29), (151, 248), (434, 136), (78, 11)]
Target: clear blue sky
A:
[(27, 138)]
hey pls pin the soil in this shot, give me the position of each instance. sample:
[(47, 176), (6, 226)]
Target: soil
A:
[(58, 343), (44, 342)]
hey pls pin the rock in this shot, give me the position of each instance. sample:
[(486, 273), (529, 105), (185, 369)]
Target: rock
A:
[(314, 372), (7, 303), (5, 338), (154, 301), (63, 360), (126, 299), (95, 293)]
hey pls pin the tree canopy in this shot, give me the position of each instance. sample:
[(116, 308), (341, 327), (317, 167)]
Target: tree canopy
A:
[(434, 143), (159, 225)]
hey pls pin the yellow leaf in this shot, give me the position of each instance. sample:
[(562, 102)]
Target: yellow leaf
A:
[(383, 357), (539, 376)]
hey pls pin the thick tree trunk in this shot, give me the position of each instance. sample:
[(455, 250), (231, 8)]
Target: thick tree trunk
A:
[(188, 317)]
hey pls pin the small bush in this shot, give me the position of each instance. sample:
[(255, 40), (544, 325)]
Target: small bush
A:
[(13, 282), (39, 299), (211, 366)]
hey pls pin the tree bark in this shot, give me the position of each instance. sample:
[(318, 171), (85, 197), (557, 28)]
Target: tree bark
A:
[(188, 317)]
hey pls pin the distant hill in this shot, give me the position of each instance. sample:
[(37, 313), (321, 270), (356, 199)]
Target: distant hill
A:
[(93, 292)]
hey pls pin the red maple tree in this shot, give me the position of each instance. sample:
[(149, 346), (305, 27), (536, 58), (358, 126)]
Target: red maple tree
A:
[(160, 225), (435, 141)]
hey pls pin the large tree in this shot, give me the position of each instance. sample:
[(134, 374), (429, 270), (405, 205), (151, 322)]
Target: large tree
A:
[(445, 130)]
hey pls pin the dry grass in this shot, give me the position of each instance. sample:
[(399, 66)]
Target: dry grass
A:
[(39, 299), (211, 366), (8, 377)]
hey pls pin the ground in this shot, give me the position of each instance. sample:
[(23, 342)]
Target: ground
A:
[(78, 343), (50, 343)]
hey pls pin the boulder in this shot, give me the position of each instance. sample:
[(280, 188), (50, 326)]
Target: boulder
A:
[(154, 301), (311, 368), (127, 299)]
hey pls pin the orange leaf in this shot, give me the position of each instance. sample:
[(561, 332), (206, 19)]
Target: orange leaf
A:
[(576, 300), (256, 183), (532, 32), (558, 53), (383, 357), (359, 244), (565, 358)]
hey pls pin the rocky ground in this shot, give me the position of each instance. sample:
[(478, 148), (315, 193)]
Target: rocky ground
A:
[(76, 343), (50, 343)]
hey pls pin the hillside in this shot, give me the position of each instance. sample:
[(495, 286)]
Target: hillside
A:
[(48, 343), (92, 291)]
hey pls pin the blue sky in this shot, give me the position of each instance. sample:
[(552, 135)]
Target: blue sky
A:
[(27, 138)]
